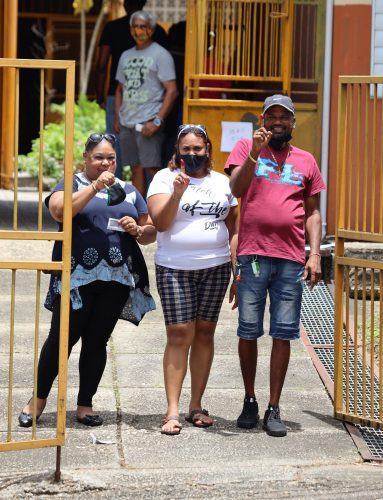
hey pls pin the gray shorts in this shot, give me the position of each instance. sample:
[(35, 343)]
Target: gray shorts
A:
[(137, 149)]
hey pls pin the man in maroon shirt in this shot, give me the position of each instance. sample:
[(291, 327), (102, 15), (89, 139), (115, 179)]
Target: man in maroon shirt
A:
[(279, 186)]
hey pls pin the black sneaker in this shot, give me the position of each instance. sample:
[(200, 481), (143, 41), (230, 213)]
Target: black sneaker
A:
[(272, 422), (249, 416)]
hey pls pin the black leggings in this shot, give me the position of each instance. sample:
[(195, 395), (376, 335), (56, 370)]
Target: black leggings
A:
[(94, 323)]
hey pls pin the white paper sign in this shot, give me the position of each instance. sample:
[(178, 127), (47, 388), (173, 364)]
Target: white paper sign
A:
[(233, 132)]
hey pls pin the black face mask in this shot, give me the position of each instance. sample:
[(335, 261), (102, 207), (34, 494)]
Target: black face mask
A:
[(193, 163), (278, 143), (116, 194)]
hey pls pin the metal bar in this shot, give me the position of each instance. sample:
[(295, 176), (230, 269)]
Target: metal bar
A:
[(374, 162), (35, 63), (381, 346), (352, 160), (258, 15), (356, 161), (36, 351), (41, 156), (363, 263), (66, 253), (248, 38), (359, 79), (365, 162), (232, 39), (11, 352), (356, 287), (339, 251), (288, 23), (16, 149), (360, 236), (43, 266), (30, 445), (347, 345), (372, 345), (266, 40), (380, 166), (58, 464), (363, 345), (349, 417), (31, 235)]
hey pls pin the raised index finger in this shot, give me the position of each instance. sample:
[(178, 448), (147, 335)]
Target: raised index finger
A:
[(182, 166)]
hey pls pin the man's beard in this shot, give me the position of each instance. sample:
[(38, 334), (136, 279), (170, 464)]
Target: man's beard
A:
[(279, 142)]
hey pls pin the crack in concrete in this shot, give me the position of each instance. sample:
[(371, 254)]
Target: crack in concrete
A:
[(116, 392)]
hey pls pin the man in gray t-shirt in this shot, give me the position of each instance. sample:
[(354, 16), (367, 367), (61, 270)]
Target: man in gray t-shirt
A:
[(145, 95)]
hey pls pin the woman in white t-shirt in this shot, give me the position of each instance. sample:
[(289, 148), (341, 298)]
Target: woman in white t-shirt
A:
[(196, 217)]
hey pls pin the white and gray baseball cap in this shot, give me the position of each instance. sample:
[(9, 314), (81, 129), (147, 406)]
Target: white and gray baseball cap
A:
[(279, 100)]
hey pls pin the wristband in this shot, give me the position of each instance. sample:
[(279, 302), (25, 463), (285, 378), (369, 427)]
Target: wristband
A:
[(251, 158), (311, 254), (93, 184), (175, 199)]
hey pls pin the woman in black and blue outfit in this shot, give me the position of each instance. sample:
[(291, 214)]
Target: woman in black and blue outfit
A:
[(109, 278)]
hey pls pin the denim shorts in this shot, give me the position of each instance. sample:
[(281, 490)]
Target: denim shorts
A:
[(190, 295), (283, 279)]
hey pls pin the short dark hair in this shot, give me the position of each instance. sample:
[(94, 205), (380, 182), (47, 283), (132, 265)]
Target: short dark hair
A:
[(132, 5)]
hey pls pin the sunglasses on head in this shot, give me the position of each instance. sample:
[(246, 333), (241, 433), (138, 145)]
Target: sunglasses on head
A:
[(184, 129), (96, 138)]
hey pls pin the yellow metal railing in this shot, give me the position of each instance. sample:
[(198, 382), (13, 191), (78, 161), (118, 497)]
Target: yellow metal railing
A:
[(359, 281), (238, 52), (17, 267), (238, 40)]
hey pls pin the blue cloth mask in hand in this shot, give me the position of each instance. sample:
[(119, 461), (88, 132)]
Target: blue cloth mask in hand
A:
[(193, 163), (116, 194)]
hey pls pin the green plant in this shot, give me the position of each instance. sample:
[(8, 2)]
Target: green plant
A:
[(88, 118)]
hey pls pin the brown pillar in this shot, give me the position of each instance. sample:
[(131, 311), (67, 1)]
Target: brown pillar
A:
[(8, 93)]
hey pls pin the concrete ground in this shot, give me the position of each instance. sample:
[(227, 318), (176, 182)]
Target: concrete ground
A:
[(317, 459)]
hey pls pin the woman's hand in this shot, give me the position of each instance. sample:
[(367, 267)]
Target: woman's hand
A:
[(106, 178), (181, 182), (130, 226)]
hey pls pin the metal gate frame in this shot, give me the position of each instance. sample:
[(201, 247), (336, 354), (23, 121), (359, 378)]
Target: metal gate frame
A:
[(240, 51), (358, 391), (13, 66)]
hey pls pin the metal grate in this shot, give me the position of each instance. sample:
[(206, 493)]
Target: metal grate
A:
[(317, 317), (317, 314), (326, 357)]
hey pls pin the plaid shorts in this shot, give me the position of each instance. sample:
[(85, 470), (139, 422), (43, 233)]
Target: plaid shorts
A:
[(190, 295)]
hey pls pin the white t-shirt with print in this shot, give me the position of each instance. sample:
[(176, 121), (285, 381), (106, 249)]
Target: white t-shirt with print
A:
[(198, 237)]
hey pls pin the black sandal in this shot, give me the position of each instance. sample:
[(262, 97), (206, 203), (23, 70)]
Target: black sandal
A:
[(90, 420)]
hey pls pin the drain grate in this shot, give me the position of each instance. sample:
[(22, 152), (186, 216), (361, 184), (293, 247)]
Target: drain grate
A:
[(374, 440), (317, 314), (326, 357), (317, 318)]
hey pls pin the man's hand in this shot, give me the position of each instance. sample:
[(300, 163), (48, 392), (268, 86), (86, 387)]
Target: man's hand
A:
[(233, 298), (261, 138), (149, 129), (313, 270)]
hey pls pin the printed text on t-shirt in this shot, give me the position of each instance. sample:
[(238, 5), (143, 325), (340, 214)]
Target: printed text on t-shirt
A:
[(205, 208)]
